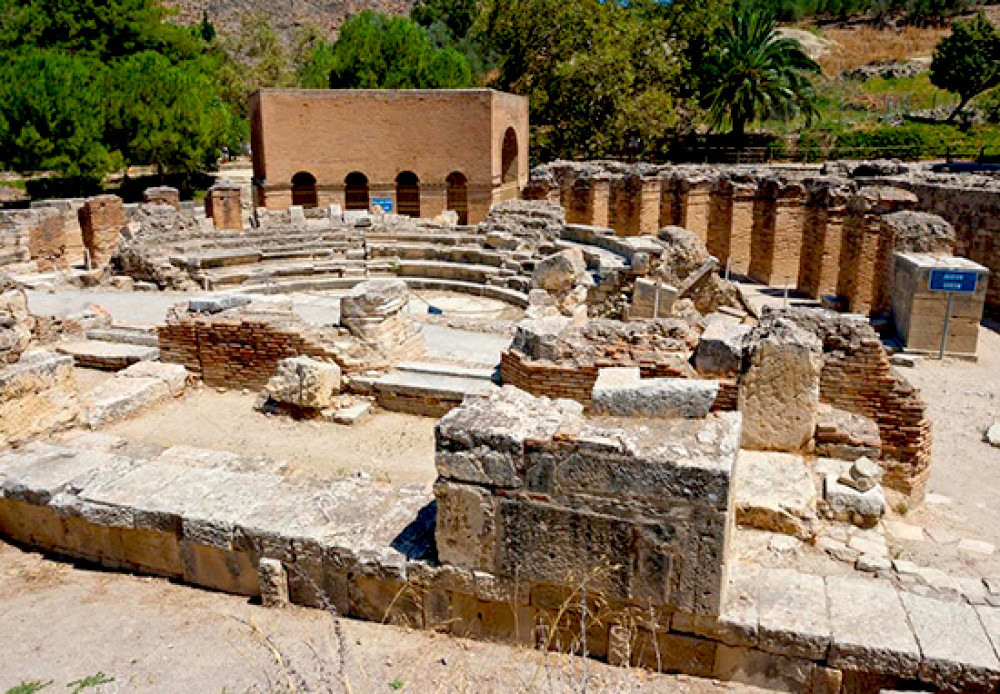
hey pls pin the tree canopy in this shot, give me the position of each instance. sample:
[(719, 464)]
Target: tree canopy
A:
[(967, 62), (751, 72)]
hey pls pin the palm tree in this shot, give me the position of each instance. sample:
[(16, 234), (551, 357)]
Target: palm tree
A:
[(755, 73)]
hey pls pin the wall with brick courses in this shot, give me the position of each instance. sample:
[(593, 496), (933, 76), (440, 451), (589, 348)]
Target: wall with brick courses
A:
[(236, 353)]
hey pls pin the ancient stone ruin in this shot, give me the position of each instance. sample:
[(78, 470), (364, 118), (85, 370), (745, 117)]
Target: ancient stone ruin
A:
[(668, 427)]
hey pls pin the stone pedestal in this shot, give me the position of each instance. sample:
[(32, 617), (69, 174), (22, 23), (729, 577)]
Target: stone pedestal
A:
[(101, 220), (162, 195), (918, 313), (224, 206), (47, 239)]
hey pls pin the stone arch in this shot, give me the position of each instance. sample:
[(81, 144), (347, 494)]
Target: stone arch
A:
[(408, 194), (509, 157), (458, 195), (304, 189), (356, 191)]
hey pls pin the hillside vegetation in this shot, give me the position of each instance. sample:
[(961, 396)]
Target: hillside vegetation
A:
[(88, 87)]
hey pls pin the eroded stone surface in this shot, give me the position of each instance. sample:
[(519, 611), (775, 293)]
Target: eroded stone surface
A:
[(775, 492), (304, 382)]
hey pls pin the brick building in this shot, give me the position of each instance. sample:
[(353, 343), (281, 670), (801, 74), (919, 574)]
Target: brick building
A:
[(416, 152)]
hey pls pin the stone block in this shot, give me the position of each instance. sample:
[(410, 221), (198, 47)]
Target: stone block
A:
[(37, 395), (870, 628), (720, 349), (173, 375), (793, 614), (467, 526), (957, 653), (759, 669), (779, 392), (654, 397), (846, 501), (304, 382), (775, 492), (217, 303), (120, 398)]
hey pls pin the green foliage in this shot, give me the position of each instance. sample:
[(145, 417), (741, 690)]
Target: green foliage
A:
[(967, 62), (457, 15), (752, 73), (603, 78), (164, 114), (29, 687), (90, 682), (52, 115), (88, 86), (378, 52)]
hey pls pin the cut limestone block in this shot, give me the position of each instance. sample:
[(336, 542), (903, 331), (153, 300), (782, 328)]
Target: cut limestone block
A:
[(793, 614), (110, 356), (957, 653), (870, 628), (720, 349), (775, 492), (615, 394), (174, 375), (304, 382), (37, 395), (121, 397)]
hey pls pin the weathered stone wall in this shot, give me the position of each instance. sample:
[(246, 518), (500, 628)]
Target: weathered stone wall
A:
[(820, 233), (37, 396), (562, 501), (162, 195)]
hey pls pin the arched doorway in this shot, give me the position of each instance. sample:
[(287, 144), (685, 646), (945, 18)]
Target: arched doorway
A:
[(508, 157), (408, 194), (304, 189), (356, 191), (458, 195)]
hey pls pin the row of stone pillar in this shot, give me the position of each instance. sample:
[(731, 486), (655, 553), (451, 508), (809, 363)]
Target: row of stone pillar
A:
[(820, 236), (223, 203)]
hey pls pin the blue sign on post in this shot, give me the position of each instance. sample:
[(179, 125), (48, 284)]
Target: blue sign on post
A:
[(959, 281), (384, 204)]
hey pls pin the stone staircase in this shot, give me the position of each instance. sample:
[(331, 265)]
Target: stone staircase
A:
[(428, 388), (112, 349)]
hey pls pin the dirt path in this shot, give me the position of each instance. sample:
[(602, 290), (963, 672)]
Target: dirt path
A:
[(390, 446), (62, 624), (963, 399)]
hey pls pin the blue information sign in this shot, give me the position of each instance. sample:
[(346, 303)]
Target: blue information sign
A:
[(959, 281), (384, 204)]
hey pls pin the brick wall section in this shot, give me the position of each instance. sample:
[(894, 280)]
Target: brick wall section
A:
[(694, 206), (101, 221), (236, 353)]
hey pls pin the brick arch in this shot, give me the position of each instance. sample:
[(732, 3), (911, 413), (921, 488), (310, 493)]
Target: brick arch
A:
[(304, 189), (356, 192), (509, 156), (408, 194), (457, 185)]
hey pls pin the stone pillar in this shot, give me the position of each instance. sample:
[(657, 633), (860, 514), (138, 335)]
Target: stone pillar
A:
[(649, 206), (819, 265), (101, 220), (668, 202), (862, 243), (779, 392), (777, 233), (693, 205), (224, 206), (162, 195), (480, 200), (730, 223), (433, 199), (589, 202), (625, 205), (47, 239)]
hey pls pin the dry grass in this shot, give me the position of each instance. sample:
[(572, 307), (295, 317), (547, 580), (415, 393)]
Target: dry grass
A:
[(861, 45)]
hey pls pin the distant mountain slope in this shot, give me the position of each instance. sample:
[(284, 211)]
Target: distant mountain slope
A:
[(285, 15)]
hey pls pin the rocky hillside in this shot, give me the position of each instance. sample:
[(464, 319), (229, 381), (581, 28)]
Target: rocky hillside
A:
[(285, 15)]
